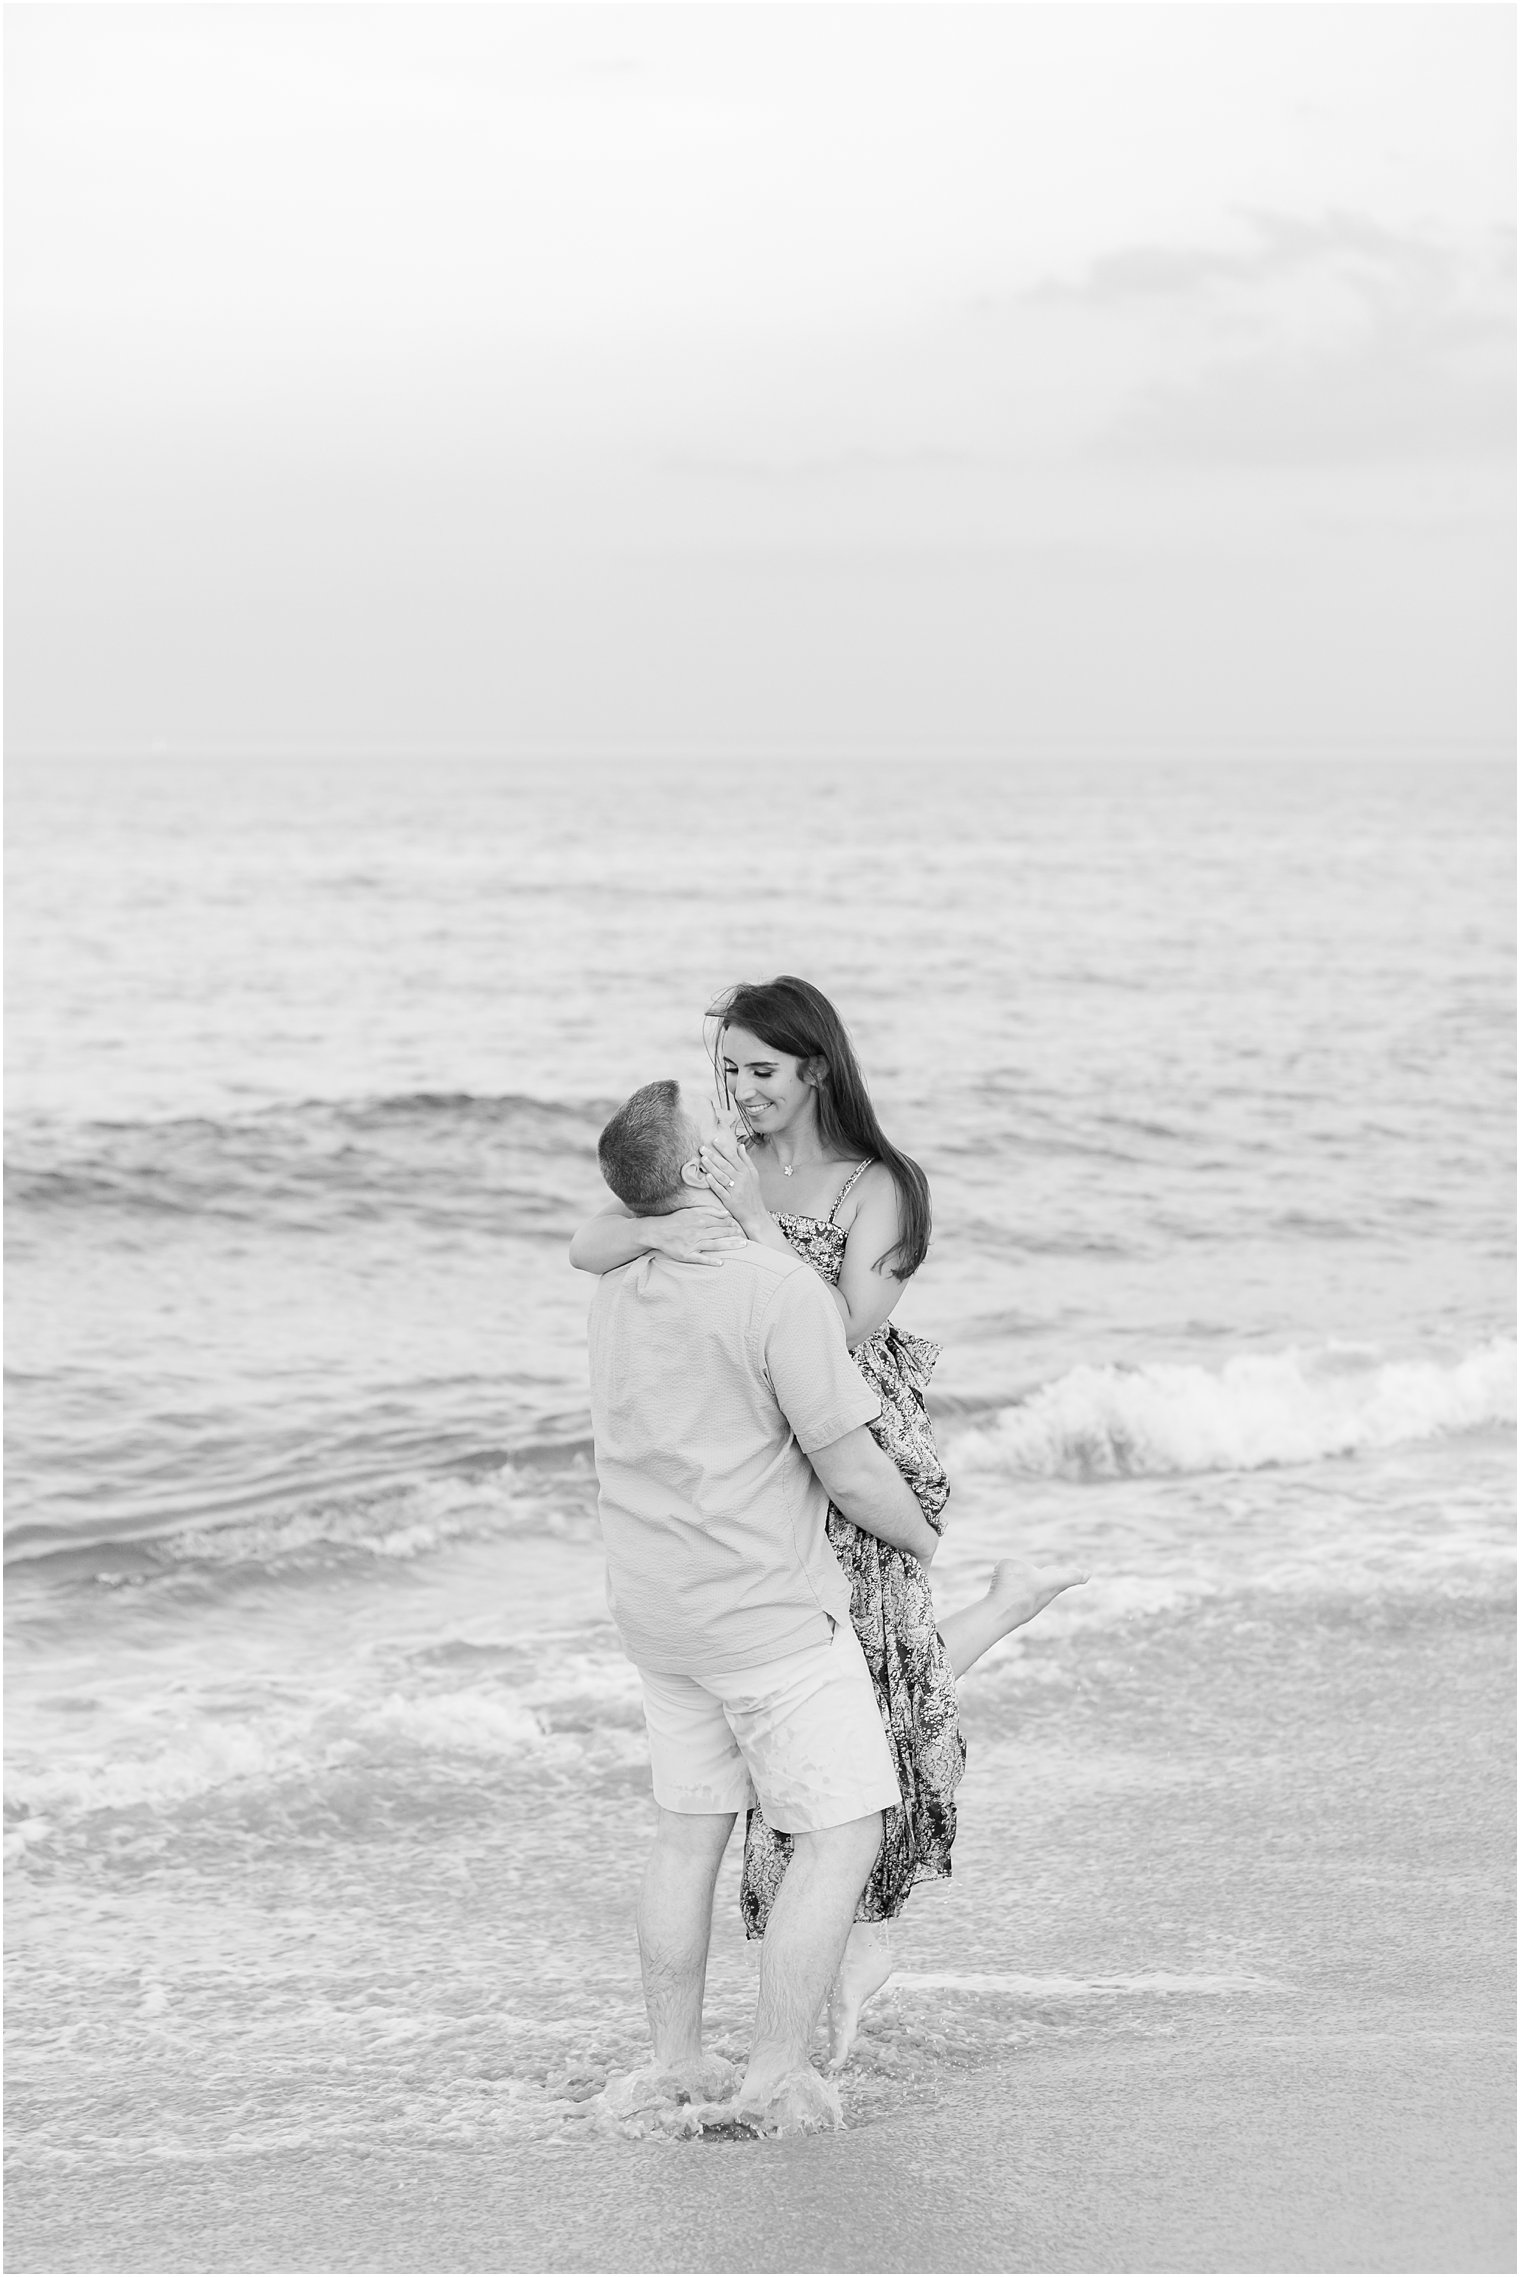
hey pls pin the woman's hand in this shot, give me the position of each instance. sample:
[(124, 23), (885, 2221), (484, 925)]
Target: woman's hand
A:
[(699, 1236), (733, 1178)]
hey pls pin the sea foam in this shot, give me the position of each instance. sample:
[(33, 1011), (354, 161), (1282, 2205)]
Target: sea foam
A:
[(1257, 1411), (179, 1753)]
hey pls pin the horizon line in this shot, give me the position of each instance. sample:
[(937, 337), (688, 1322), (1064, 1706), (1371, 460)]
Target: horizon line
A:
[(882, 750)]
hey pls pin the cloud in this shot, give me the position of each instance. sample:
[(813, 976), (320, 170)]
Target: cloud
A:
[(1312, 342), (1278, 245)]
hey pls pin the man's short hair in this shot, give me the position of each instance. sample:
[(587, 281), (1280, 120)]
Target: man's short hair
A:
[(643, 1147)]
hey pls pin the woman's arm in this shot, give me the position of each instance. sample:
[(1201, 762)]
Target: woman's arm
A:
[(864, 1295), (615, 1237)]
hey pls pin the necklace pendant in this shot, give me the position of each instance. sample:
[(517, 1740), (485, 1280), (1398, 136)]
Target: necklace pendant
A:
[(786, 1170)]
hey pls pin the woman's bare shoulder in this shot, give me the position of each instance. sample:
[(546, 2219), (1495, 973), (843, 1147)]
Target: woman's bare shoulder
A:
[(874, 1190)]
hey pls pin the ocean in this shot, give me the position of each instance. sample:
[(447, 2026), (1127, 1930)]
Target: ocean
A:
[(326, 1786)]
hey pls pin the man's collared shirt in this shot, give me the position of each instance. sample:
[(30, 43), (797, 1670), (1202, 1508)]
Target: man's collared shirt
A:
[(710, 1387)]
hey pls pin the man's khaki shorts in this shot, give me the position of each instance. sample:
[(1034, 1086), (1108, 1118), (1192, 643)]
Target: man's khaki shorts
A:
[(801, 1736)]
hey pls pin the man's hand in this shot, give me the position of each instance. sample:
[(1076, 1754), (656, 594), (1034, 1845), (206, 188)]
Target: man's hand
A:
[(703, 1235), (871, 1491)]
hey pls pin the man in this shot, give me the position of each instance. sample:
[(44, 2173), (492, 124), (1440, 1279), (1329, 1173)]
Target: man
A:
[(727, 1414)]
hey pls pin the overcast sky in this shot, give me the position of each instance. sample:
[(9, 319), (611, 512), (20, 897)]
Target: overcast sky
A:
[(730, 378)]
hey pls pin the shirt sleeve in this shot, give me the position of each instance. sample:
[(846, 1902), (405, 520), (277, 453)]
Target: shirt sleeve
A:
[(817, 1385)]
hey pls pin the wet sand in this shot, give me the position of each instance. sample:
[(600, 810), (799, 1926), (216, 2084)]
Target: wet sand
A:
[(1341, 2099), (1384, 2152)]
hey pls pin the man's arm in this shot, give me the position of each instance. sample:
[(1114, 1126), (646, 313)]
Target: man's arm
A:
[(872, 1492)]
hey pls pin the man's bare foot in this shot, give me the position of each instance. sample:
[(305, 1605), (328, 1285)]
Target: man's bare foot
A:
[(703, 2079), (1020, 1590), (866, 1966), (799, 2103)]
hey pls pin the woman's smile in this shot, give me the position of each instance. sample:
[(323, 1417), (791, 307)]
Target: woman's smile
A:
[(746, 1060)]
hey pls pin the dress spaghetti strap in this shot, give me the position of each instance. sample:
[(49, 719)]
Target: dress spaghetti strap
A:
[(859, 1171)]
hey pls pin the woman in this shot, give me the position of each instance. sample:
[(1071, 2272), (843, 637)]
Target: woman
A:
[(813, 1172)]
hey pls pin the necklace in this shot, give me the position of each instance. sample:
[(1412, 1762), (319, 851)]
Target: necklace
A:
[(786, 1170)]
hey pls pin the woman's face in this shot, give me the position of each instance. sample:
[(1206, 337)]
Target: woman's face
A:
[(768, 1088)]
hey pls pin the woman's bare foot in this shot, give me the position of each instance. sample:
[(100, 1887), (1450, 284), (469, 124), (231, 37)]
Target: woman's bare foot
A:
[(1018, 1590), (866, 1966)]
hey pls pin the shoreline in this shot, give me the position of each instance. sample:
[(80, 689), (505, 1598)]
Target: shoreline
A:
[(1317, 2154), (1255, 2016)]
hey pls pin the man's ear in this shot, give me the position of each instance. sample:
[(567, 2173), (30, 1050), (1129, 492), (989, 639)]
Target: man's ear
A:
[(692, 1174)]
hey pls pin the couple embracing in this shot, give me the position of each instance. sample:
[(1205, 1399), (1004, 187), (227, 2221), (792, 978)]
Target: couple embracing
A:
[(771, 1497)]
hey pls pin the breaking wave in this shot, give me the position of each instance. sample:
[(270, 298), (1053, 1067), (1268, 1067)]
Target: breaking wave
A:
[(571, 1712), (1257, 1411)]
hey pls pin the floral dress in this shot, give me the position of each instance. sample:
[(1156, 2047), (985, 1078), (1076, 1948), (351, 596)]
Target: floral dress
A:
[(893, 1616)]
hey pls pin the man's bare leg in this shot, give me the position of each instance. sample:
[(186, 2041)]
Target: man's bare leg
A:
[(804, 1941), (1017, 1593), (675, 1926)]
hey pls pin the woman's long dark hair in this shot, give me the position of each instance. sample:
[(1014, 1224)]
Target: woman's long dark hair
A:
[(794, 1017)]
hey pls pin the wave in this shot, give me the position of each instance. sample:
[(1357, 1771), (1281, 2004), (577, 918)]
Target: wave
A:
[(205, 1757), (435, 1154), (1257, 1411), (395, 1505), (562, 1707), (547, 1491), (1068, 1988)]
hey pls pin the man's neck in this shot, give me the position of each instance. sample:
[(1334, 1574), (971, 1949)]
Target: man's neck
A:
[(688, 1199)]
